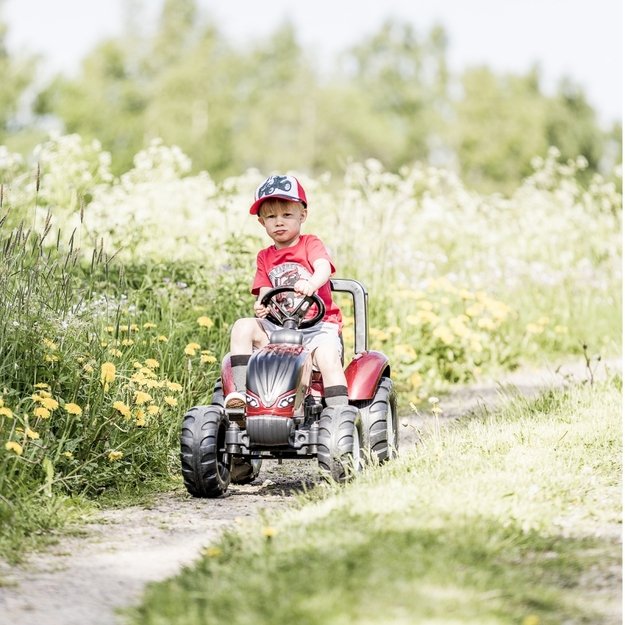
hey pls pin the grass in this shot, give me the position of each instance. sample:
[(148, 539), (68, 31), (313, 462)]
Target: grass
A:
[(509, 518)]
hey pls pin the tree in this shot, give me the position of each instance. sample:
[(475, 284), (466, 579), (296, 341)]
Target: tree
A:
[(499, 126), (571, 125), (406, 80), (106, 102)]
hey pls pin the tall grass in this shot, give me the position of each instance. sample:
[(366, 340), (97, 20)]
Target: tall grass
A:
[(117, 296), (506, 518)]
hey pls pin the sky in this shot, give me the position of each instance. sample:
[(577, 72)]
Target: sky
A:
[(580, 39)]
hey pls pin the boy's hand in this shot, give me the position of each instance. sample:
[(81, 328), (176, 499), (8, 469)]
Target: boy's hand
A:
[(304, 287), (260, 311)]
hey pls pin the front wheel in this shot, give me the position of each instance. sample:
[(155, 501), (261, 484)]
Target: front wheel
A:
[(205, 463), (379, 423), (338, 444)]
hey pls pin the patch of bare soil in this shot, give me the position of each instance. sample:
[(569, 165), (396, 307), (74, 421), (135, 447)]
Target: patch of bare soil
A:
[(86, 579)]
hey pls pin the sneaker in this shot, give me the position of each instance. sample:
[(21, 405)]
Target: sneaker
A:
[(234, 401)]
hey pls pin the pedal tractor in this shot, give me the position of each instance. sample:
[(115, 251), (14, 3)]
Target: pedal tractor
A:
[(285, 415)]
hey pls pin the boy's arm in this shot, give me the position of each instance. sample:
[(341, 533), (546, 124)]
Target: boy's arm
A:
[(322, 273), (259, 310)]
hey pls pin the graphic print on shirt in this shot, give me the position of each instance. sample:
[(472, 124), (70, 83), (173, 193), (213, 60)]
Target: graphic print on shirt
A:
[(287, 274)]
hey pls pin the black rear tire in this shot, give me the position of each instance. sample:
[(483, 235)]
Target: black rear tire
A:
[(380, 435), (205, 464), (218, 394), (338, 444)]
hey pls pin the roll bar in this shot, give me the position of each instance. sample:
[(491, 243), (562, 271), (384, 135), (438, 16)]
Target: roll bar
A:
[(361, 318)]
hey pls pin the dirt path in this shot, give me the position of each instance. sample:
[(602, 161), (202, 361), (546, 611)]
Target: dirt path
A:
[(84, 580)]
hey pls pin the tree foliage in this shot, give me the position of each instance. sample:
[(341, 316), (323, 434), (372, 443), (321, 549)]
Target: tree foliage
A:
[(267, 105)]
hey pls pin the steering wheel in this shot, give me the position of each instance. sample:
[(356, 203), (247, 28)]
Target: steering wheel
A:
[(278, 314)]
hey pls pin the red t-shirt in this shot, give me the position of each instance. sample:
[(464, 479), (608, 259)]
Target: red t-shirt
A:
[(285, 266)]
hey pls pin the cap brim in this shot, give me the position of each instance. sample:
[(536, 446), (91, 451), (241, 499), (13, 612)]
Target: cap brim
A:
[(256, 205)]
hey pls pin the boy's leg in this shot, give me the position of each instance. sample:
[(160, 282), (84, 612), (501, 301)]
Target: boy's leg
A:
[(246, 335), (327, 359)]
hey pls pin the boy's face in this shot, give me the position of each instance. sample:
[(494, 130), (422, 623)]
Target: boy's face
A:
[(282, 220)]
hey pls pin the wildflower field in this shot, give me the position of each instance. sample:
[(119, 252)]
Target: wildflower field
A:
[(117, 295)]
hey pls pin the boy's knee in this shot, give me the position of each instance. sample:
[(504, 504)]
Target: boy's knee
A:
[(326, 353), (243, 326)]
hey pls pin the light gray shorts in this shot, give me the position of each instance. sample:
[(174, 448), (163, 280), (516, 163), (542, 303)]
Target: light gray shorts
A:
[(313, 337)]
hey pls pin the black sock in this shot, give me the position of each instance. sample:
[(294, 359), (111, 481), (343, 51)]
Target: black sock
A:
[(335, 395), (238, 363)]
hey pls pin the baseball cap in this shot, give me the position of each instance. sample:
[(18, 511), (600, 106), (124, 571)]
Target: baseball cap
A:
[(278, 187)]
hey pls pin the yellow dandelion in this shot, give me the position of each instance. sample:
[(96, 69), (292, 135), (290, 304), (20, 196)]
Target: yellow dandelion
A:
[(269, 532), (88, 368), (405, 352), (74, 409), (474, 310), (116, 352), (31, 434), (427, 316), (148, 325), (122, 408), (51, 345), (212, 552), (110, 329), (140, 420), (42, 385), (134, 327), (107, 374), (561, 329), (41, 412), (152, 384), (47, 402), (533, 328), (137, 365), (191, 349), (68, 454), (127, 342), (425, 305), (207, 359), (113, 456), (152, 363), (170, 401), (141, 397), (162, 338), (6, 412), (415, 380), (51, 358), (103, 343), (531, 619), (174, 387), (16, 448), (205, 322), (153, 410)]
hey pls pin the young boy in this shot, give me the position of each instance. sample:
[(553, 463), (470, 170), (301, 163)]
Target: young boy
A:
[(302, 262)]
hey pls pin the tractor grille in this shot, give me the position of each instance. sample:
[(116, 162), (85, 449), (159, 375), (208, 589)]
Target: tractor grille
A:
[(269, 430)]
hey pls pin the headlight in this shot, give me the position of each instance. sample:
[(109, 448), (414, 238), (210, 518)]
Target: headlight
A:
[(287, 401)]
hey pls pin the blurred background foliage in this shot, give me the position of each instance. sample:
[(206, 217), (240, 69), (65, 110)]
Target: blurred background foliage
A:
[(270, 105)]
